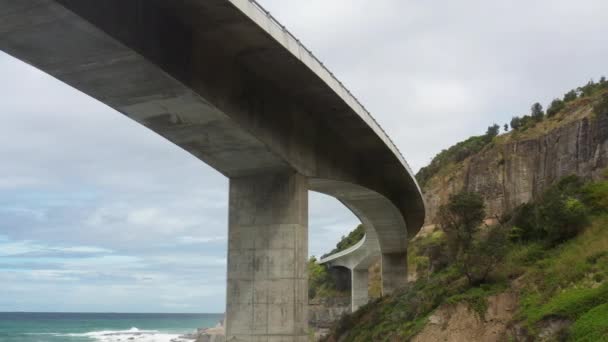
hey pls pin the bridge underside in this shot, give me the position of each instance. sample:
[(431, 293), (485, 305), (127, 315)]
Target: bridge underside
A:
[(216, 78)]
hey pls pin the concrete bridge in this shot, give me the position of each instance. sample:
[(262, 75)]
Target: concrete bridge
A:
[(356, 260), (227, 83)]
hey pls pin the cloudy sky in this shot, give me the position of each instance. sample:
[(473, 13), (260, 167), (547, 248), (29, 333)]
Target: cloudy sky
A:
[(99, 214)]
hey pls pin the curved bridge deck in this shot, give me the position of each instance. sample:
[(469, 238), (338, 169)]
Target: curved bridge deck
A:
[(357, 259), (226, 82)]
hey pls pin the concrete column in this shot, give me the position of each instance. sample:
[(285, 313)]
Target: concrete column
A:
[(267, 295), (359, 286), (394, 272)]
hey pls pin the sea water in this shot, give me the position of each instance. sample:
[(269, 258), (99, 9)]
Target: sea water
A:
[(100, 327)]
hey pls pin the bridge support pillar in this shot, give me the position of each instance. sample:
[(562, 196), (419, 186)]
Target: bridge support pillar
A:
[(267, 295), (394, 272), (359, 288)]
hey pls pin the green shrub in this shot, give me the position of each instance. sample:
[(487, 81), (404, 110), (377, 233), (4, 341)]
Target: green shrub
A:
[(485, 253), (524, 223), (558, 215), (563, 218), (536, 112), (433, 248), (400, 316), (591, 88), (555, 107), (460, 220), (422, 266), (601, 108), (320, 282), (570, 96), (592, 326), (526, 254), (571, 303), (475, 252), (595, 196), (455, 154), (515, 122), (476, 297)]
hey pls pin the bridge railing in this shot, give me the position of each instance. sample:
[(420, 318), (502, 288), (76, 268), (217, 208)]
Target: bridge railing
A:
[(276, 23), (344, 252)]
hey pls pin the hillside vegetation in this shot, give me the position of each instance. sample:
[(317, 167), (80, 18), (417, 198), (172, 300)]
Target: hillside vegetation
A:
[(320, 282), (551, 254), (560, 271)]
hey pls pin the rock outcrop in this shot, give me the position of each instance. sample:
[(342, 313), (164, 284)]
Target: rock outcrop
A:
[(215, 334), (459, 323), (323, 313), (519, 166)]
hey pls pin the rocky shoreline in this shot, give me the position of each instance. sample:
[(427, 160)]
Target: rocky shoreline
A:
[(323, 313), (215, 334)]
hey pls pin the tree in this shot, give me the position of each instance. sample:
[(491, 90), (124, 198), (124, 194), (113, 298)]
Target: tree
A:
[(558, 215), (460, 220), (485, 253), (475, 252), (320, 282), (570, 96), (524, 221), (506, 127), (561, 214), (515, 122), (555, 107), (526, 120), (588, 89), (492, 131), (537, 112)]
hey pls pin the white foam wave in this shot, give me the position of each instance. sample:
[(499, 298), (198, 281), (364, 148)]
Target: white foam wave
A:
[(132, 334)]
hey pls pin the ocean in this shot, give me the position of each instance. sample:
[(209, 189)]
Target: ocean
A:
[(100, 327)]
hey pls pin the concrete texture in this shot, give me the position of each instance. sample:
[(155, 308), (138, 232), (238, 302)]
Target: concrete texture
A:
[(394, 271), (360, 295), (267, 297), (224, 81)]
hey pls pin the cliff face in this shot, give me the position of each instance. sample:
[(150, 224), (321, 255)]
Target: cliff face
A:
[(323, 313), (519, 166), (460, 323)]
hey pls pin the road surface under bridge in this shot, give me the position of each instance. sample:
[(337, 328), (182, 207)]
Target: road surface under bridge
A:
[(227, 83)]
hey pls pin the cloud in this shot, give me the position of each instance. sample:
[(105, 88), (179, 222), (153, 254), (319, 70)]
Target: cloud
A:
[(193, 240), (434, 73), (100, 214), (17, 248)]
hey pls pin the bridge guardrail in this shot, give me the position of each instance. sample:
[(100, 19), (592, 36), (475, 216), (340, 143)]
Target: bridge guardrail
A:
[(275, 22)]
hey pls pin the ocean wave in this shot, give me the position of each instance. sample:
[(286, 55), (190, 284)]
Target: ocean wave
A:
[(132, 334)]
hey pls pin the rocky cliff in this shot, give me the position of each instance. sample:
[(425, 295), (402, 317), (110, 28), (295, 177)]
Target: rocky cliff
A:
[(459, 323), (325, 312), (518, 166)]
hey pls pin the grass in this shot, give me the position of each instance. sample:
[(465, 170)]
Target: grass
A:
[(402, 315), (592, 326), (564, 281), (572, 303), (568, 281), (476, 297)]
